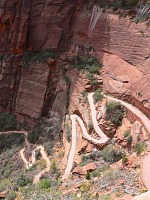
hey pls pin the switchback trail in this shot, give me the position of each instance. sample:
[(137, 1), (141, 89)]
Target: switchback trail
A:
[(104, 138), (145, 120), (30, 164), (74, 118)]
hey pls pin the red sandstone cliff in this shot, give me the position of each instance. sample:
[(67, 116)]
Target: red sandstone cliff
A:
[(122, 46)]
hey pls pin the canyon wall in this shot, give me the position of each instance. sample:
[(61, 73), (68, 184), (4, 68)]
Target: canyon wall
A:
[(122, 46)]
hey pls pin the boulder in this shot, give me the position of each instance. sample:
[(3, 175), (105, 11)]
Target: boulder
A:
[(89, 167), (90, 148), (78, 170), (3, 194)]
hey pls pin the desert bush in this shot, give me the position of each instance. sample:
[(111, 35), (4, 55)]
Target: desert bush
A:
[(88, 176), (54, 168), (129, 139), (87, 63), (111, 154), (45, 183), (11, 196), (37, 193), (8, 122), (114, 113), (84, 95), (133, 2), (34, 57), (126, 133), (85, 160), (98, 95), (49, 147), (105, 197), (140, 147), (34, 136), (84, 188), (90, 125), (124, 159), (96, 173), (91, 79), (10, 140), (23, 181)]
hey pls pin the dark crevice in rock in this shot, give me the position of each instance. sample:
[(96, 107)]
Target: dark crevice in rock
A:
[(51, 93)]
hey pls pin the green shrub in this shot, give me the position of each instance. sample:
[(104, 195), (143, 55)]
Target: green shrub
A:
[(111, 154), (8, 122), (133, 2), (98, 95), (11, 196), (91, 79), (84, 188), (105, 197), (124, 159), (34, 136), (96, 173), (140, 147), (114, 113), (85, 160), (90, 125), (144, 190), (123, 2), (54, 168), (88, 176), (84, 95), (87, 63), (45, 183), (9, 140), (129, 139), (49, 147), (126, 133), (23, 181), (34, 57)]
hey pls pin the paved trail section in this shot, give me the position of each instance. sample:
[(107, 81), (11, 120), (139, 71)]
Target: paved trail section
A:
[(104, 138), (102, 135), (74, 118)]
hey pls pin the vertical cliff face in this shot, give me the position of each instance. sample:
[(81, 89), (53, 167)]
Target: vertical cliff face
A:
[(121, 45), (33, 25)]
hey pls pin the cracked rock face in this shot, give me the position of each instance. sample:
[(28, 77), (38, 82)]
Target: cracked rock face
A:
[(122, 46)]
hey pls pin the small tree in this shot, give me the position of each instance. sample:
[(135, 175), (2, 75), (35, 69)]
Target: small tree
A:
[(114, 113), (88, 176), (45, 184), (98, 95)]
